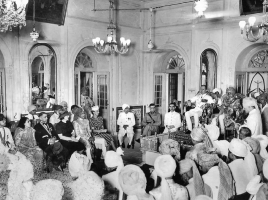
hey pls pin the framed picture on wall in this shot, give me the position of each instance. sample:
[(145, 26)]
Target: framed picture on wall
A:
[(138, 113), (49, 11), (251, 6)]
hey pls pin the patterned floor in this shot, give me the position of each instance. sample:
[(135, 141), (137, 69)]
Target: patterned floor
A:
[(131, 156)]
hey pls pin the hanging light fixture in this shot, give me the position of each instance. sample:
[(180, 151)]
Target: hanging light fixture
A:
[(111, 46), (34, 34), (253, 33), (12, 14), (200, 6)]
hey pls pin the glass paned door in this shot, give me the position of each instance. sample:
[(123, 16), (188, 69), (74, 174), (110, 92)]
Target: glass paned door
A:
[(102, 95), (160, 92)]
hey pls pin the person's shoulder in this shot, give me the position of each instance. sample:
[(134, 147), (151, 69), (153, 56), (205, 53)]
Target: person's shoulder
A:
[(7, 129), (49, 124)]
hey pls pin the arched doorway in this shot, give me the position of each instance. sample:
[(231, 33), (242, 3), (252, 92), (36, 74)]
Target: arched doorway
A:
[(42, 75), (89, 82), (169, 81), (252, 74)]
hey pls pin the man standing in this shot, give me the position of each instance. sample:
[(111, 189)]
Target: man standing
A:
[(125, 121), (172, 119), (48, 140), (253, 121), (264, 112), (200, 99), (151, 121)]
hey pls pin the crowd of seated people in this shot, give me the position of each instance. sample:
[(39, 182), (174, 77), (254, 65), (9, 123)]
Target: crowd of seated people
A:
[(213, 168)]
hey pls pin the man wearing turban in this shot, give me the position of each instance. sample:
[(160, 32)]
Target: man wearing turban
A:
[(263, 98), (192, 178), (165, 167), (253, 121), (125, 121), (242, 164), (133, 182), (217, 175)]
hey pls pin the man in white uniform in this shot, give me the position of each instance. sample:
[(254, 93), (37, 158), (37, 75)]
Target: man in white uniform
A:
[(253, 121), (125, 121), (200, 99), (172, 119)]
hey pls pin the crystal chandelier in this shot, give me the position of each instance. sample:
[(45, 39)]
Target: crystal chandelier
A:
[(12, 14), (110, 46), (253, 33)]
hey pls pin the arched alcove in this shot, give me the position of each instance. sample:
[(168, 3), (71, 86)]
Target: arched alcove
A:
[(91, 81), (208, 69), (42, 75)]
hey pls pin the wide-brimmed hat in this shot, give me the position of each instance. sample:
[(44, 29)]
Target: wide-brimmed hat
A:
[(64, 114), (57, 148)]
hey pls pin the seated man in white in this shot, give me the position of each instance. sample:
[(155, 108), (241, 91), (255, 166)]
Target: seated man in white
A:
[(200, 99), (172, 119), (125, 121)]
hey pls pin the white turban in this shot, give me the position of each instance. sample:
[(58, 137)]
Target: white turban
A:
[(124, 106), (254, 185), (213, 131), (238, 148), (95, 108), (263, 139), (165, 166), (217, 90), (132, 180), (265, 169), (114, 159)]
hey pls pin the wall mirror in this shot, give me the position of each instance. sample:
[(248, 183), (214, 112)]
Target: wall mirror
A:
[(43, 73)]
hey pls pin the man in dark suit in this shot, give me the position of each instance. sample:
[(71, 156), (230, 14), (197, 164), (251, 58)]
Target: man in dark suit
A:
[(48, 140)]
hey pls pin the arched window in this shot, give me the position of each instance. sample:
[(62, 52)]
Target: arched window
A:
[(259, 60), (176, 62), (208, 69), (83, 61)]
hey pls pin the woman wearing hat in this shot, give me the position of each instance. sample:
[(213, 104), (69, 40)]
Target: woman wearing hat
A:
[(96, 124), (26, 143), (65, 130), (83, 133)]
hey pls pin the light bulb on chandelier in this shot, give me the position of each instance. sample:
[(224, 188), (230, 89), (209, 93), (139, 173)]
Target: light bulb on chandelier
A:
[(252, 32), (111, 46)]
